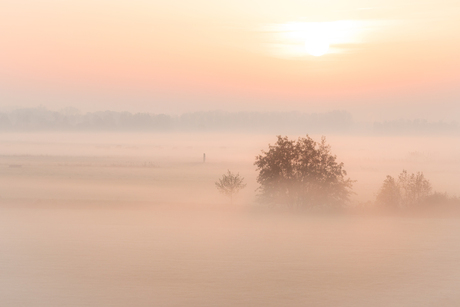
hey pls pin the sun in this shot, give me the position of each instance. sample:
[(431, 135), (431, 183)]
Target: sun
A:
[(318, 38), (317, 45)]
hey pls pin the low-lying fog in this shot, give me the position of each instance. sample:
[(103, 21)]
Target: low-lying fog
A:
[(132, 219)]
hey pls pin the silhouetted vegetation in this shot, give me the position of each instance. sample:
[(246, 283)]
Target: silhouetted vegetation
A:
[(302, 174), (71, 119), (408, 191), (338, 121), (417, 126), (230, 184)]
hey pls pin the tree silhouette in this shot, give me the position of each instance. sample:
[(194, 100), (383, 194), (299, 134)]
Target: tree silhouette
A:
[(389, 195), (407, 191), (230, 184), (301, 174), (414, 188)]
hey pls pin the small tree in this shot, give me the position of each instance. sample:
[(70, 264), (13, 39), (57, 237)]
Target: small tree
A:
[(230, 184), (414, 188), (409, 190), (389, 195), (302, 174)]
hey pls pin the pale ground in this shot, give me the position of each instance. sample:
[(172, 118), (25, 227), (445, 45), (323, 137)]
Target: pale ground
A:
[(141, 255)]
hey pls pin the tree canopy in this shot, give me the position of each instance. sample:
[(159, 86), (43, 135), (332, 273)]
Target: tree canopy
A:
[(302, 173)]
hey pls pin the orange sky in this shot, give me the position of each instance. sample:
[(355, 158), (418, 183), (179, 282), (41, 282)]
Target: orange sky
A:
[(178, 56)]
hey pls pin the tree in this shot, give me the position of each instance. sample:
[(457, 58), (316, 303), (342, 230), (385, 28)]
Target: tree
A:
[(230, 184), (414, 188), (301, 174), (389, 195), (407, 191)]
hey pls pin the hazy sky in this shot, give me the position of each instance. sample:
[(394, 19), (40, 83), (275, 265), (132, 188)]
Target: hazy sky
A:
[(382, 59)]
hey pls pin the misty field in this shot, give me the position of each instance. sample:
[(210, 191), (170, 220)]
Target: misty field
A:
[(169, 168), (143, 256), (136, 220)]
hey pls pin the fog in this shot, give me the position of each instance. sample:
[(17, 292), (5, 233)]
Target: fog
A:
[(134, 218)]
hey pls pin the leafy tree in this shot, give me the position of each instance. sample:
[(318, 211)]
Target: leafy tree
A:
[(389, 195), (301, 173), (407, 191), (230, 184)]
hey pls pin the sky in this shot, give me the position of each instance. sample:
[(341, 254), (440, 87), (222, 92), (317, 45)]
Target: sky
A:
[(377, 59)]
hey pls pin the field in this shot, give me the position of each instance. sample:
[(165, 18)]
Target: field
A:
[(135, 220), (169, 168)]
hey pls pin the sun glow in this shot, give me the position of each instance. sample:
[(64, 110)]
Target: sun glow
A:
[(294, 39)]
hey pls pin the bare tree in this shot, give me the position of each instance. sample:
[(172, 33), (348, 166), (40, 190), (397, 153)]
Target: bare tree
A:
[(230, 184)]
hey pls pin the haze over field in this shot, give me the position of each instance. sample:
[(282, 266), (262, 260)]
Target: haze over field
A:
[(143, 160), (138, 165)]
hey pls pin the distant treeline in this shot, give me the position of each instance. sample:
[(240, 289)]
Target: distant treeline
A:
[(416, 127), (42, 119), (71, 119)]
